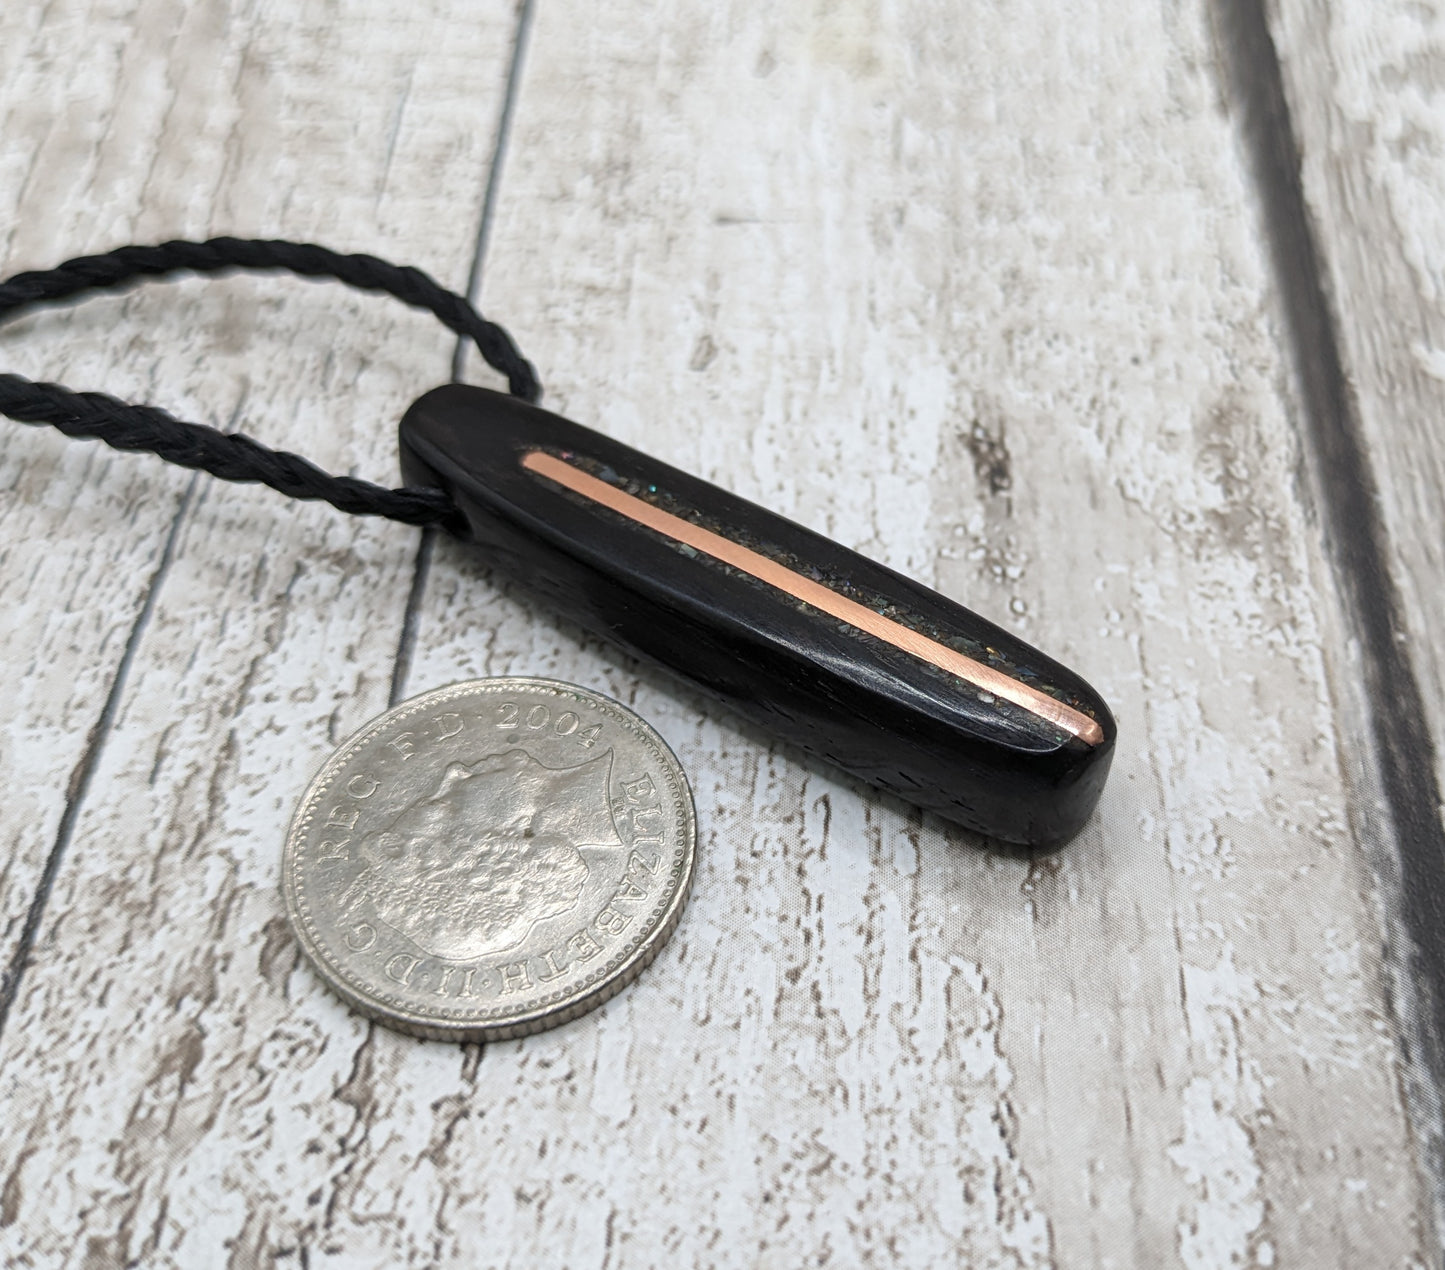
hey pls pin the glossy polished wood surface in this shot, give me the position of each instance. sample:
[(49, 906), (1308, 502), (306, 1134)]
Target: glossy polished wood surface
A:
[(990, 748)]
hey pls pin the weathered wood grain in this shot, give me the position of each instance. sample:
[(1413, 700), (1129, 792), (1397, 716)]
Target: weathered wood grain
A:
[(980, 295), (986, 302), (1365, 89), (274, 631), (1367, 111), (84, 530)]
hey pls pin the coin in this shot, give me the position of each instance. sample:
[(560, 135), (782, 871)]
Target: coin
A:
[(490, 859)]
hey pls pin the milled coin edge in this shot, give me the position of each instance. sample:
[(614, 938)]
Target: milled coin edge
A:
[(542, 1016)]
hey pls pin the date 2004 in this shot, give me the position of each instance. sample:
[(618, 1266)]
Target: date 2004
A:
[(539, 718)]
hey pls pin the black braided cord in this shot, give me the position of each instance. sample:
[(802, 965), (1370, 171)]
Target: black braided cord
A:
[(231, 456)]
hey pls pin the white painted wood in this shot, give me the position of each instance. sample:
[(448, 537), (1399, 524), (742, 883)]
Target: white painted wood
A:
[(849, 263), (1364, 85), (886, 243), (274, 632)]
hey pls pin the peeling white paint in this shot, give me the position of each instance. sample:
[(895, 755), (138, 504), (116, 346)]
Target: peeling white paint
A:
[(870, 1042)]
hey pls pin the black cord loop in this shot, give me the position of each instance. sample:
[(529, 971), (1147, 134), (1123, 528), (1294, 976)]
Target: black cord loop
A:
[(231, 456)]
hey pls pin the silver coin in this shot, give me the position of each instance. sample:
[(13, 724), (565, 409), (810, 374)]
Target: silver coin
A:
[(491, 858)]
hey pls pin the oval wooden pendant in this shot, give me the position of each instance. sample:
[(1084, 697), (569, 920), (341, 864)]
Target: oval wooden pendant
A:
[(831, 651)]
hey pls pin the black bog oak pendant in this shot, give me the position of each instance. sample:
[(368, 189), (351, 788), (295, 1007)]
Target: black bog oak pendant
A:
[(835, 654)]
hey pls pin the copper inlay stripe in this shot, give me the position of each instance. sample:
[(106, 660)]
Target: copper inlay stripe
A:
[(820, 597)]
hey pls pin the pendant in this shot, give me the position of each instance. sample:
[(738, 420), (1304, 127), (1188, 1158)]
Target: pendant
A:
[(833, 653)]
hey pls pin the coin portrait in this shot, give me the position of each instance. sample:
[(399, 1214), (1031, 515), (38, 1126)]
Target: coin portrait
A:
[(491, 858)]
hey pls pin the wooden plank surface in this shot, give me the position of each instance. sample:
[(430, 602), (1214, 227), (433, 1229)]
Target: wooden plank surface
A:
[(1052, 263), (1364, 87), (275, 626), (982, 297), (1367, 108)]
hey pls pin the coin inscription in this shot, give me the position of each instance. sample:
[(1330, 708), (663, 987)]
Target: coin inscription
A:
[(491, 858)]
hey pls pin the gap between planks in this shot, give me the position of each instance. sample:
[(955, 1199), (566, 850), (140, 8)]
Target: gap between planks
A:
[(406, 643), (1399, 743), (89, 760)]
